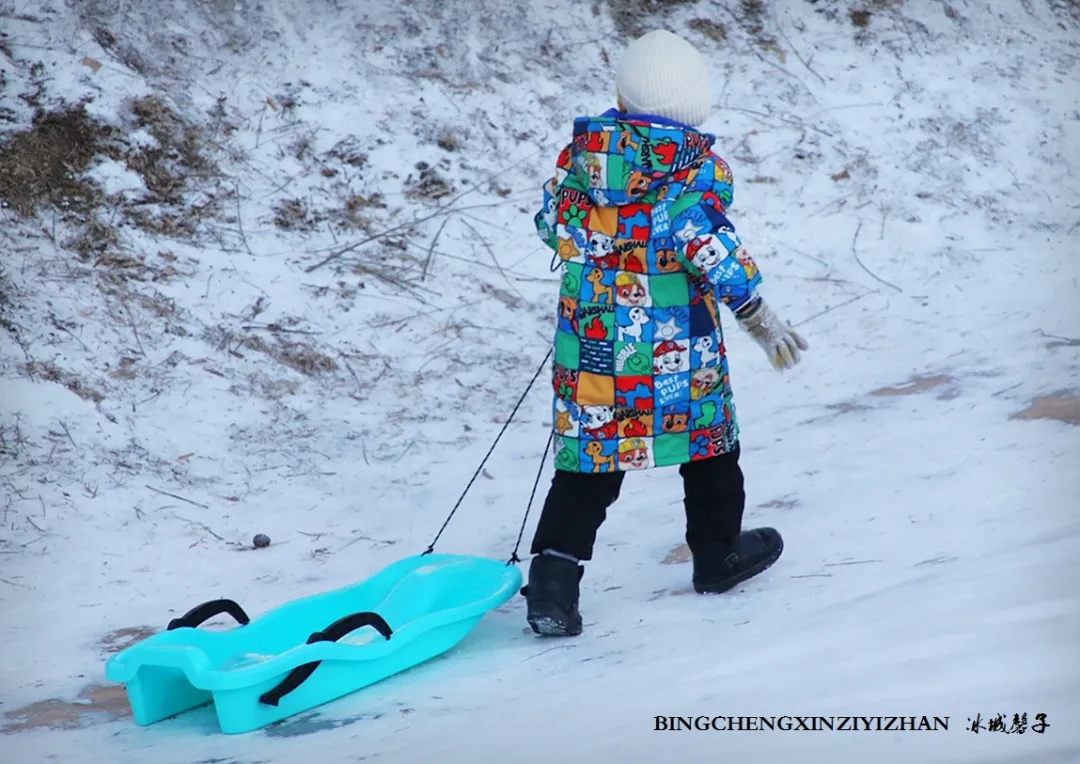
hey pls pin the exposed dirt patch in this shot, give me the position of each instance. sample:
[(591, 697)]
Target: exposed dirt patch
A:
[(678, 555), (44, 164), (1061, 407), (95, 703), (121, 639), (914, 385)]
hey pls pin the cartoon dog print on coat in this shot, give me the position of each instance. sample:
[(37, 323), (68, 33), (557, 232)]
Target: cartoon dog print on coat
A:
[(636, 213)]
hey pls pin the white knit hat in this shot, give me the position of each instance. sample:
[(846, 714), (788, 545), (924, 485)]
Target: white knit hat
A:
[(663, 74)]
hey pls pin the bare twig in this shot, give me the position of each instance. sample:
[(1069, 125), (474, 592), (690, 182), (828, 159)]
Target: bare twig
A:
[(494, 259), (258, 130), (795, 50), (204, 526), (545, 652), (851, 562), (431, 249), (240, 221), (277, 328), (423, 314), (61, 327), (13, 583), (147, 400), (1004, 390), (805, 254), (363, 268), (1061, 341), (68, 433), (834, 307), (770, 62), (404, 451), (134, 329), (446, 209), (181, 498), (855, 252), (356, 379)]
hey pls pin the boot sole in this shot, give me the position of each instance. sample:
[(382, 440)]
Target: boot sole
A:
[(551, 621), (730, 583)]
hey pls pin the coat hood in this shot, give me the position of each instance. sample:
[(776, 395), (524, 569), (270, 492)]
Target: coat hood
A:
[(620, 158)]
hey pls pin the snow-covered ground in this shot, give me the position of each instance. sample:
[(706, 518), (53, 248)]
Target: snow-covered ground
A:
[(907, 180)]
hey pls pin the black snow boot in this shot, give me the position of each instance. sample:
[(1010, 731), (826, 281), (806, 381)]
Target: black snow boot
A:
[(552, 596), (718, 568)]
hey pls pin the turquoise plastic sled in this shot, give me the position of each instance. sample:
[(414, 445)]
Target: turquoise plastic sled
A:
[(313, 650)]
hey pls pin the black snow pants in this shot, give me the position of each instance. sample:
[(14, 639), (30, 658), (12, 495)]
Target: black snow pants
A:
[(577, 504)]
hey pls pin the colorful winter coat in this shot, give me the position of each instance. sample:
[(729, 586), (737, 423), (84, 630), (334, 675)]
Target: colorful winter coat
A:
[(635, 212)]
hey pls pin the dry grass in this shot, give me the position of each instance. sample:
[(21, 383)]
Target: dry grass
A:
[(7, 305), (179, 164), (428, 184), (300, 355), (44, 164), (303, 357), (49, 371), (294, 215), (634, 18), (44, 169), (753, 17), (714, 30), (860, 17), (348, 152)]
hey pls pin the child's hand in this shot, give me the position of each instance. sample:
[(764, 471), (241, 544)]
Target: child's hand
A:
[(777, 338)]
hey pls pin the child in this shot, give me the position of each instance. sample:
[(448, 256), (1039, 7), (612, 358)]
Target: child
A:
[(635, 212)]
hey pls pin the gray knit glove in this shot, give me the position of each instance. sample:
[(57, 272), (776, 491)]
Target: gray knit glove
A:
[(777, 338)]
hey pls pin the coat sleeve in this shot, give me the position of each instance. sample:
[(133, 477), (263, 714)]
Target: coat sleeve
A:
[(705, 242), (545, 220)]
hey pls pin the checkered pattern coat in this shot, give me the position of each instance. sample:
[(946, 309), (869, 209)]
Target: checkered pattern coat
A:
[(636, 214)]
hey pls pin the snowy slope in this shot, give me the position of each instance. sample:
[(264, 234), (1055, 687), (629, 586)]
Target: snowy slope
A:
[(909, 190)]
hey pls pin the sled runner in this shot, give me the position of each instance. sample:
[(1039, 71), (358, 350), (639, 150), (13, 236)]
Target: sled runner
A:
[(313, 650)]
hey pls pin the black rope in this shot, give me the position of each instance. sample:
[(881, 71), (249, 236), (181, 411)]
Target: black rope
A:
[(539, 370), (514, 555)]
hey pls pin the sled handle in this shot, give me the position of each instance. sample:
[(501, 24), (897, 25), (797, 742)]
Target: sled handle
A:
[(331, 633), (207, 610)]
